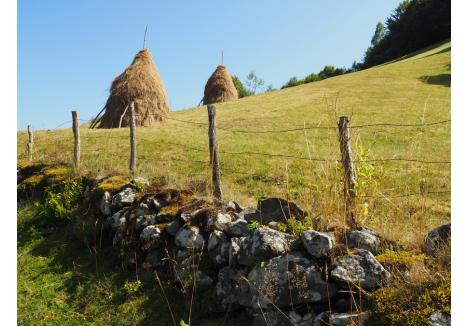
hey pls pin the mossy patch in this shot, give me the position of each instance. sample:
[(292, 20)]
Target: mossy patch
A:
[(410, 304), (179, 202), (401, 260)]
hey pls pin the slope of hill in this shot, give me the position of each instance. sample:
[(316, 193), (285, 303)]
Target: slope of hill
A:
[(412, 90)]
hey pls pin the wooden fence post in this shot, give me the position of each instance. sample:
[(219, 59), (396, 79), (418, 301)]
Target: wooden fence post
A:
[(133, 154), (214, 155), (349, 173), (76, 136), (30, 143)]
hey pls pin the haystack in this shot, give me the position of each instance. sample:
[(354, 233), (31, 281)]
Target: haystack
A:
[(140, 83), (219, 87)]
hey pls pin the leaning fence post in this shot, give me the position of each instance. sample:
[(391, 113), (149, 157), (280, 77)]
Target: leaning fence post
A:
[(349, 173), (214, 155), (30, 143), (133, 158), (76, 137)]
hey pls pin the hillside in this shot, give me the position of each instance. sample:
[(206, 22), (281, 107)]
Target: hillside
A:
[(413, 90)]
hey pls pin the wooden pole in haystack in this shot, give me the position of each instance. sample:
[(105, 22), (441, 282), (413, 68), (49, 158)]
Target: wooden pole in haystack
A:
[(349, 173), (121, 117), (144, 38), (214, 155), (76, 137), (133, 158), (30, 143)]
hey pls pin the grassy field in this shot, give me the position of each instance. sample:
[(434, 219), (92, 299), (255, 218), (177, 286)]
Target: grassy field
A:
[(412, 90)]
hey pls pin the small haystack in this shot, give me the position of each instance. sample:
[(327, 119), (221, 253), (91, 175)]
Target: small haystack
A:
[(219, 87), (140, 83)]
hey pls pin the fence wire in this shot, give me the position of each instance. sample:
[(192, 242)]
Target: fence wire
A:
[(90, 136)]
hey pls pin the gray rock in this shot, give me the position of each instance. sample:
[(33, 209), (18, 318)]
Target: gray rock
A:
[(340, 319), (158, 203), (150, 233), (273, 225), (237, 228), (19, 177), (234, 249), (185, 217), (235, 206), (153, 258), (231, 289), (144, 221), (263, 244), (173, 227), (105, 204), (317, 244), (203, 281), (271, 318), (288, 280), (368, 230), (189, 238), (218, 247), (439, 319), (436, 238), (143, 209), (183, 253), (307, 320), (363, 240), (360, 268), (114, 220), (218, 222), (124, 197), (294, 317), (118, 237), (278, 210), (250, 214)]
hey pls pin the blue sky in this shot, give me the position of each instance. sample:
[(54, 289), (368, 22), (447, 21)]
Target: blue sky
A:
[(70, 51)]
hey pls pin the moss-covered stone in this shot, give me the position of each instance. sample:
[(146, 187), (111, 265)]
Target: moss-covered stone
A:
[(56, 173), (34, 181), (27, 168), (113, 184)]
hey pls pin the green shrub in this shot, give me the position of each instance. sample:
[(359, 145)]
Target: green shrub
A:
[(293, 81), (241, 90), (132, 288), (253, 225), (62, 200)]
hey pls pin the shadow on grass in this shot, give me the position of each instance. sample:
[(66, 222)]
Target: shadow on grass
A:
[(411, 56), (94, 279), (442, 79)]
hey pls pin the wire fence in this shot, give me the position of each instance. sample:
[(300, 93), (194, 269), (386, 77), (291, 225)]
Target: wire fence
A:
[(61, 143)]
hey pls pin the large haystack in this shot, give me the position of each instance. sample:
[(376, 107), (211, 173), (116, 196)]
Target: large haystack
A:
[(140, 83), (219, 87)]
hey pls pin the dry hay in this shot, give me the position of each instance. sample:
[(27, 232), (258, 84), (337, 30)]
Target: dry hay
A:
[(219, 87), (141, 83)]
